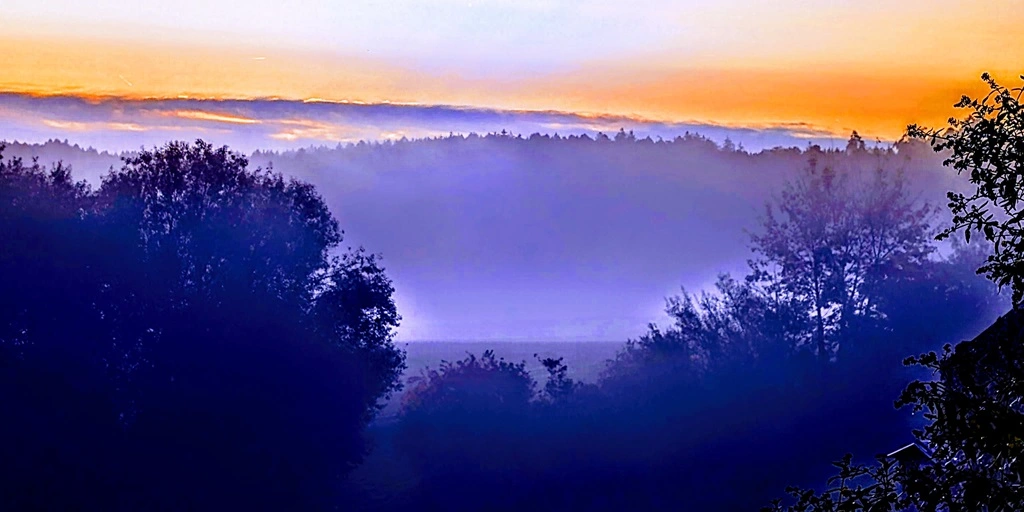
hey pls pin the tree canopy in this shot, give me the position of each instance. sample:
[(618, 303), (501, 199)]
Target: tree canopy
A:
[(729, 393), (195, 320), (829, 242), (988, 145), (972, 407)]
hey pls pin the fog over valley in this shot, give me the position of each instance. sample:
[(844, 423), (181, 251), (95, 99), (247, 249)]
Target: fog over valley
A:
[(500, 237)]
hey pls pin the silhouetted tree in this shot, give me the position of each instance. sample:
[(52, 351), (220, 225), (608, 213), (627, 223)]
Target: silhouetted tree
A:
[(830, 240), (857, 487), (732, 328), (988, 144), (855, 144), (973, 434), (460, 427), (559, 389), (56, 366), (973, 407), (477, 383), (230, 358)]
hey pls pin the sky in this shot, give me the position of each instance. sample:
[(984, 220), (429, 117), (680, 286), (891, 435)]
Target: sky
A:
[(836, 66), (116, 124), (267, 74)]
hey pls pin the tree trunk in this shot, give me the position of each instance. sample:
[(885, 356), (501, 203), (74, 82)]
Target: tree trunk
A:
[(821, 333)]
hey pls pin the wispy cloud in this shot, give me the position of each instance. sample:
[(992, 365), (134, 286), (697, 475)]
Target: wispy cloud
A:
[(78, 126), (201, 115), (303, 129), (118, 123)]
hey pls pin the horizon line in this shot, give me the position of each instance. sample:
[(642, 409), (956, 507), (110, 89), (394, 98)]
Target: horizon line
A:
[(820, 131)]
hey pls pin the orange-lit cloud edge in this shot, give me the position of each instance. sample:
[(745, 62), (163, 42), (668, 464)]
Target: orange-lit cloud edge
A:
[(877, 100)]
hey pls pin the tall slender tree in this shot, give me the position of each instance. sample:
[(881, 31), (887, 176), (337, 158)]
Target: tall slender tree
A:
[(829, 240)]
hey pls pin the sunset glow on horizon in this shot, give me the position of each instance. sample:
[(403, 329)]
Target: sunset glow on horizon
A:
[(871, 67)]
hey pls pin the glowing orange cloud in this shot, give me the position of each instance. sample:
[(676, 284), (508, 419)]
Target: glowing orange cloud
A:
[(296, 129), (837, 101), (200, 115), (876, 97), (78, 126)]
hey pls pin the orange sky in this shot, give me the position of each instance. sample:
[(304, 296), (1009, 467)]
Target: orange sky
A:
[(873, 69)]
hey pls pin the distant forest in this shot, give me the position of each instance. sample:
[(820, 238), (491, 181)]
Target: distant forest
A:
[(461, 218)]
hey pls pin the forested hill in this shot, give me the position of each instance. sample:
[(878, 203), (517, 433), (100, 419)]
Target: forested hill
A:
[(547, 237), (86, 163)]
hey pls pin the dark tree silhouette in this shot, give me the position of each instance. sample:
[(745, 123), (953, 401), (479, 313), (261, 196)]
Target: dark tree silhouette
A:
[(857, 487), (830, 241), (974, 434), (724, 398), (988, 145), (461, 428), (60, 418), (973, 406), (234, 357)]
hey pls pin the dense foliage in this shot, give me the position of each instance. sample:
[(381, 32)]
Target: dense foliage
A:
[(734, 394), (988, 145), (972, 406), (829, 244), (185, 337)]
